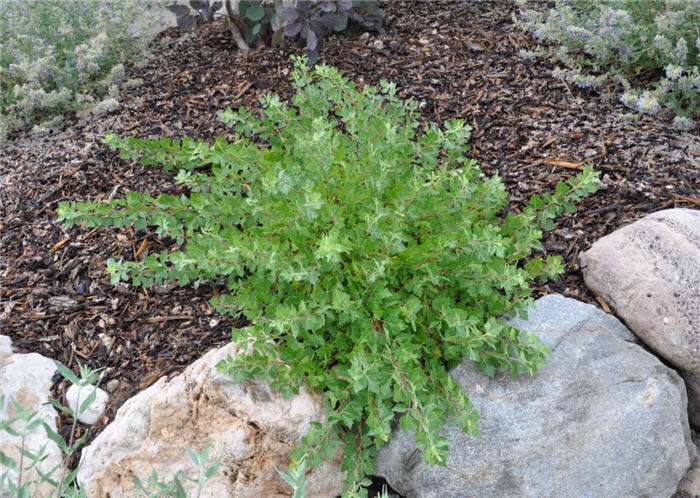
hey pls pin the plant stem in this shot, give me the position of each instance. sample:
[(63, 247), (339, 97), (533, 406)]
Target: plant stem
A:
[(21, 460), (69, 451), (235, 32)]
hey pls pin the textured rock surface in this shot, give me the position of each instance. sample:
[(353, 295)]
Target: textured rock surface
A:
[(690, 484), (603, 418), (254, 426), (650, 272), (26, 378), (75, 396)]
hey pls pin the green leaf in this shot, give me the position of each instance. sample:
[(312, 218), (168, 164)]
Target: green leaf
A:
[(92, 395), (255, 12), (56, 404), (67, 373), (212, 470), (7, 462), (341, 23), (55, 437)]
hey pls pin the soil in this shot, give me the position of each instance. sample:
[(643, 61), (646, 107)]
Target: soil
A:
[(457, 60)]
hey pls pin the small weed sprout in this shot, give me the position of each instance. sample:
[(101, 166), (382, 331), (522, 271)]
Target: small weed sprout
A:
[(296, 478), (14, 474)]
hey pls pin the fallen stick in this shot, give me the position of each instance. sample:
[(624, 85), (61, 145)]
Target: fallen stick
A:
[(564, 164)]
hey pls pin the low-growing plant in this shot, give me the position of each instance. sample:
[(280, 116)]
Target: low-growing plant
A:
[(647, 51), (63, 55), (62, 483), (174, 487), (309, 21), (29, 477), (369, 254), (296, 478)]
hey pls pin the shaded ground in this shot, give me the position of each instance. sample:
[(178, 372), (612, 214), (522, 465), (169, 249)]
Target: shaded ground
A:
[(455, 59)]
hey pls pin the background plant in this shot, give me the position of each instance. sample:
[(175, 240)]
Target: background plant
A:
[(175, 487), (195, 12), (305, 22), (369, 257), (647, 50), (62, 55)]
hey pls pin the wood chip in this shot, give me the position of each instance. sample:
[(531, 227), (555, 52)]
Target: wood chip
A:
[(685, 198), (59, 244), (603, 304), (564, 164)]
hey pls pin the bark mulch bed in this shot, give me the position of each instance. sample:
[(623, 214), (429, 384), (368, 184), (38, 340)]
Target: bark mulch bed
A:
[(454, 59)]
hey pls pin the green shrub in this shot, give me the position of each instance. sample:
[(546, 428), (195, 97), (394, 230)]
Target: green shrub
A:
[(368, 255), (60, 55), (629, 43)]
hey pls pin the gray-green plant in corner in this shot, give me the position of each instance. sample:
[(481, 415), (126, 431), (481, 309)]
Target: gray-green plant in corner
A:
[(296, 478), (370, 257), (157, 488), (62, 484)]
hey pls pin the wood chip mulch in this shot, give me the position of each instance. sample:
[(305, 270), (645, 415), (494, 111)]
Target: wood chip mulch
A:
[(455, 59)]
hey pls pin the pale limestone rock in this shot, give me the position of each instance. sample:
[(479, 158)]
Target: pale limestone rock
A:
[(650, 272), (26, 378), (5, 345), (75, 396), (254, 426)]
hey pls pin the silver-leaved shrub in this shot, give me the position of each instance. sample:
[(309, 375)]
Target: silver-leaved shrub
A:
[(646, 49), (369, 254), (61, 55)]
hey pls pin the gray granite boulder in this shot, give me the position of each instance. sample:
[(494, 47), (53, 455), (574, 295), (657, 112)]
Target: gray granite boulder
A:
[(649, 272), (690, 485), (602, 418)]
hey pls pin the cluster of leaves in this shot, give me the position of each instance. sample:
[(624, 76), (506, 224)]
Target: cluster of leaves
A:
[(260, 21), (25, 478), (306, 22), (648, 51), (368, 256), (310, 21), (23, 423), (67, 55), (174, 488), (198, 11)]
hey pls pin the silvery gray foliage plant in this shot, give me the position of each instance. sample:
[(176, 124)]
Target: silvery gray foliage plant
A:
[(157, 488), (646, 51), (58, 56), (22, 422), (13, 473)]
